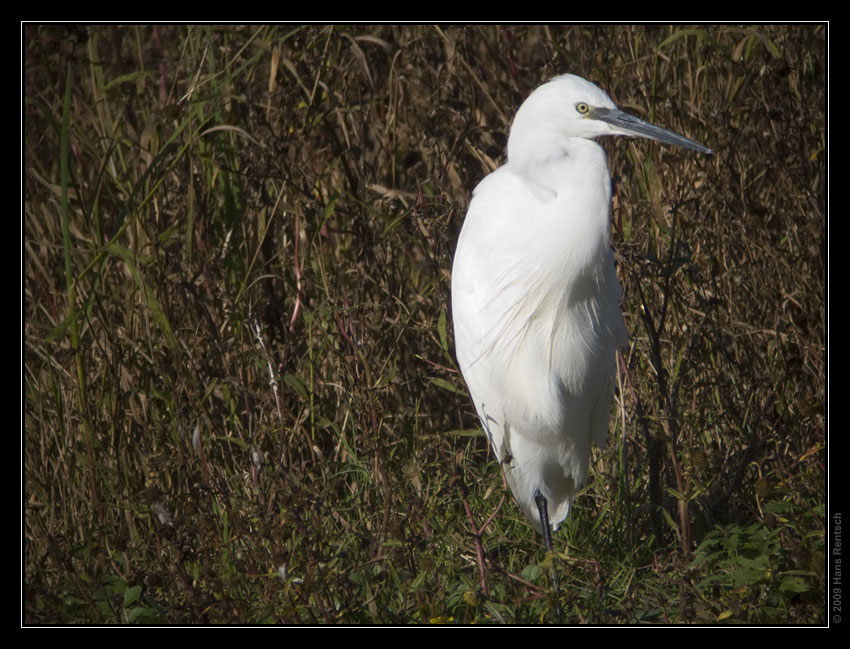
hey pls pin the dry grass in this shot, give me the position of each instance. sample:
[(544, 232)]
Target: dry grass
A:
[(209, 207)]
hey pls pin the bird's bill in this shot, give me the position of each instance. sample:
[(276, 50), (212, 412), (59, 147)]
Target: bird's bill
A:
[(630, 125)]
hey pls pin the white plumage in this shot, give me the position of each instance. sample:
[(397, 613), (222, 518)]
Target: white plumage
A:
[(535, 295)]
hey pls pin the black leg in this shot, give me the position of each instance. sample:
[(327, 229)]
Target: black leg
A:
[(543, 510), (544, 519)]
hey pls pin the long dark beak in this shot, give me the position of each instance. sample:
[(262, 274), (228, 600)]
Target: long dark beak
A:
[(626, 124)]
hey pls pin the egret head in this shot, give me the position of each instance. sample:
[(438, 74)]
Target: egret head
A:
[(571, 107)]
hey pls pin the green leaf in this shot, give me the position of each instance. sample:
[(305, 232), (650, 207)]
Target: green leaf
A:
[(447, 385), (132, 594), (441, 328), (297, 384), (793, 585)]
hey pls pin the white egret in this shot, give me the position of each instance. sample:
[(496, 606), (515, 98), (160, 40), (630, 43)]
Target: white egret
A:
[(535, 295)]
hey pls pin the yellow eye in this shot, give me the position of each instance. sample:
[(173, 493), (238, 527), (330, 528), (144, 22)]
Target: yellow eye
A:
[(582, 108)]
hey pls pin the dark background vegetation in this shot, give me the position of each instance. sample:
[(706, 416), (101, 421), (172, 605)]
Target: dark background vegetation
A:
[(240, 399)]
